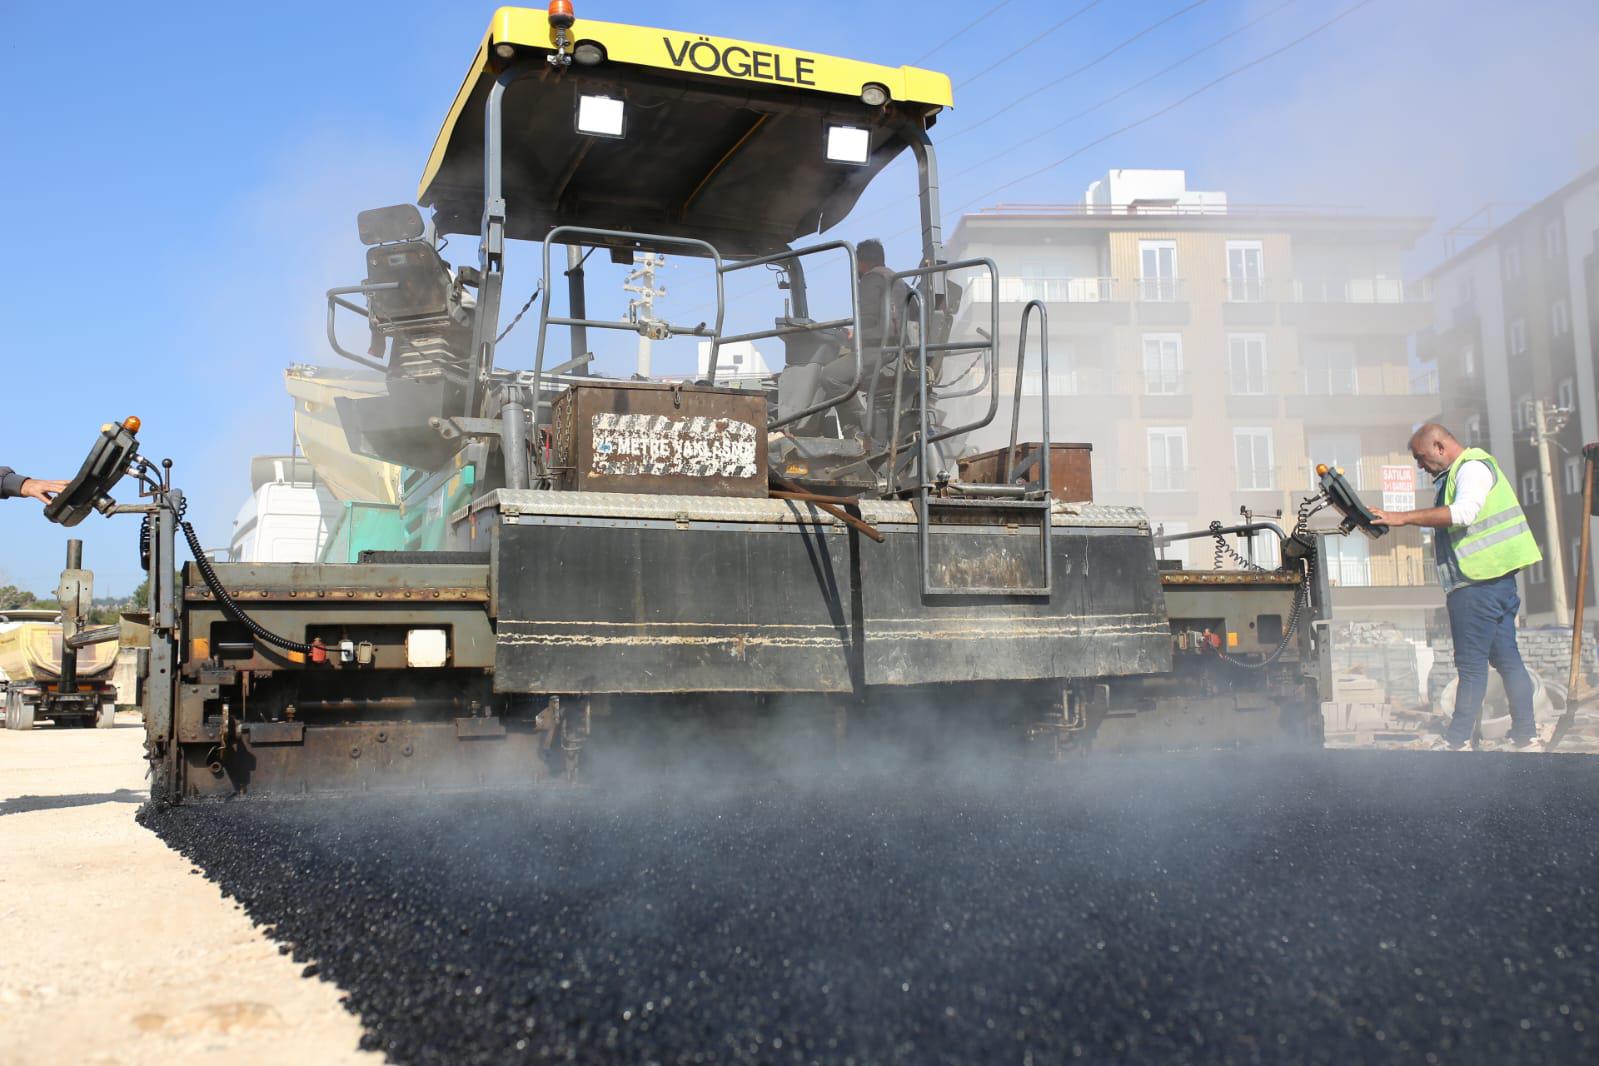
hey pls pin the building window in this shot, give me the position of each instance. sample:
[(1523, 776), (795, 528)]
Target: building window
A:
[(1576, 555), (1512, 260), (1177, 549), (1474, 431), (1529, 489), (1535, 573), (1468, 360), (1163, 364), (1252, 454), (1518, 336), (1336, 450), (1246, 363), (1348, 561), (1565, 395), (1554, 240), (1466, 295), (1157, 280), (1526, 415), (1062, 377), (1168, 459), (1573, 476), (1246, 279), (1330, 370), (1560, 318)]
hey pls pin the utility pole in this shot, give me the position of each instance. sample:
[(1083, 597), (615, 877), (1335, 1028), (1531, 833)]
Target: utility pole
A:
[(641, 307), (1547, 421)]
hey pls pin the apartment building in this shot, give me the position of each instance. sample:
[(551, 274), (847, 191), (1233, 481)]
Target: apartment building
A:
[(1214, 353), (1515, 314)]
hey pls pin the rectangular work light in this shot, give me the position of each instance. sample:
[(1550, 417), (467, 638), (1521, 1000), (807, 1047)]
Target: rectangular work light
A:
[(599, 116), (849, 144)]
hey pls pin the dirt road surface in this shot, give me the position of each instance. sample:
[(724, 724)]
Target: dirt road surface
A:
[(113, 950)]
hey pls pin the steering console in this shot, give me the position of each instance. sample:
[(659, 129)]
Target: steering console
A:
[(1342, 495), (113, 452)]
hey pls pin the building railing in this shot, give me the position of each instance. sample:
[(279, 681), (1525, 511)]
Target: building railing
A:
[(1362, 291), (1171, 478), (1246, 290), (1161, 290), (1163, 382), (1075, 290), (1383, 571)]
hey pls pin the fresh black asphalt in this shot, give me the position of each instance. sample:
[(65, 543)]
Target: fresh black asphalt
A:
[(1327, 907)]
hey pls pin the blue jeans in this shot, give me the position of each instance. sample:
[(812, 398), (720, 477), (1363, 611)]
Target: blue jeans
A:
[(1482, 620)]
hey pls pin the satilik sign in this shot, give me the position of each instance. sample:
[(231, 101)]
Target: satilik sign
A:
[(1398, 488)]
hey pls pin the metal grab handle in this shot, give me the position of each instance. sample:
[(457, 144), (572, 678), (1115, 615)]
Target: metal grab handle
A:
[(991, 347), (336, 300)]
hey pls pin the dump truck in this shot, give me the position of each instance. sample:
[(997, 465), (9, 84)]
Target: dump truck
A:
[(576, 559), (47, 673)]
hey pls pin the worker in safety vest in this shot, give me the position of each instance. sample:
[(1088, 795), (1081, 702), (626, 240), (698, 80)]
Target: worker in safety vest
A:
[(14, 484), (1482, 540)]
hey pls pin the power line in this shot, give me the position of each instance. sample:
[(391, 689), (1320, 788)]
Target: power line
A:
[(952, 38), (1008, 56), (1168, 109), (1162, 72), (1069, 75)]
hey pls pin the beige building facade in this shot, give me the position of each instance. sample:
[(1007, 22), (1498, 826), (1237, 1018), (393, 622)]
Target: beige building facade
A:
[(1213, 355)]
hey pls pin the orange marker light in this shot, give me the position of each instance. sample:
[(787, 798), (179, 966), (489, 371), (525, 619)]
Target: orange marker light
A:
[(561, 16), (1321, 469), (132, 423)]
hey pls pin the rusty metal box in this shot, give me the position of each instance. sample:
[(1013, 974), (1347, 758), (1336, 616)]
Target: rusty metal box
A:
[(645, 436), (1071, 469)]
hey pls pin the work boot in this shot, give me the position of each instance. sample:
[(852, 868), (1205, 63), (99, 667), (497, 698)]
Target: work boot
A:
[(1439, 743)]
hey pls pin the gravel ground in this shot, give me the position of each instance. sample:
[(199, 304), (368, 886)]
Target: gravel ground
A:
[(1333, 907)]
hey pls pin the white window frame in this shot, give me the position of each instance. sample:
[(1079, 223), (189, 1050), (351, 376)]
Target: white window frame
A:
[(1241, 287), (1560, 318), (1512, 262), (1525, 414), (1176, 478), (1535, 573), (1566, 394), (1157, 287), (1327, 377), (1554, 239), (1350, 460), (1474, 430), (1238, 350), (1062, 374), (1255, 483), (1573, 475), (1469, 358), (1518, 336), (1164, 380), (1529, 489)]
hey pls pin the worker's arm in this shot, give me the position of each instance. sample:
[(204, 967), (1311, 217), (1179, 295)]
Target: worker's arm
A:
[(14, 484), (1471, 492)]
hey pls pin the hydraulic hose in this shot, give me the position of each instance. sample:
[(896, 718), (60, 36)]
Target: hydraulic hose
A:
[(229, 605)]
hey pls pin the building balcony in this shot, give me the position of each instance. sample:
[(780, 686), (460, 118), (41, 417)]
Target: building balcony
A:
[(1360, 305), (1076, 304), (1162, 301), (1399, 410), (1249, 302)]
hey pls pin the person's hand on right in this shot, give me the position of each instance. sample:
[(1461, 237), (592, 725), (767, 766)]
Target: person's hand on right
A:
[(43, 491)]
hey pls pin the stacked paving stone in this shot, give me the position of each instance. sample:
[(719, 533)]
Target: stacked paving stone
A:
[(1546, 651)]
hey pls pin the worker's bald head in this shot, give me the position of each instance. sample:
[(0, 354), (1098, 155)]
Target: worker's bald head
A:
[(1435, 448)]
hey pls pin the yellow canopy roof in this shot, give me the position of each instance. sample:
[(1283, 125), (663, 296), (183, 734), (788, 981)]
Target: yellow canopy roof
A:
[(724, 137)]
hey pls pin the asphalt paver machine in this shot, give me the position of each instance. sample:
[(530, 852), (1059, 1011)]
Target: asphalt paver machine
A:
[(582, 556)]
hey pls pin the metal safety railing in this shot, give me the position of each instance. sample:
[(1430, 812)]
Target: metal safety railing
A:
[(1019, 502), (576, 234)]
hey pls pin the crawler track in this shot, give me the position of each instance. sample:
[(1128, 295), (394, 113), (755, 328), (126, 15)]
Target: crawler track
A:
[(1331, 908)]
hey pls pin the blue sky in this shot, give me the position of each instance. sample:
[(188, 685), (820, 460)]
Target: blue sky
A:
[(181, 180)]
